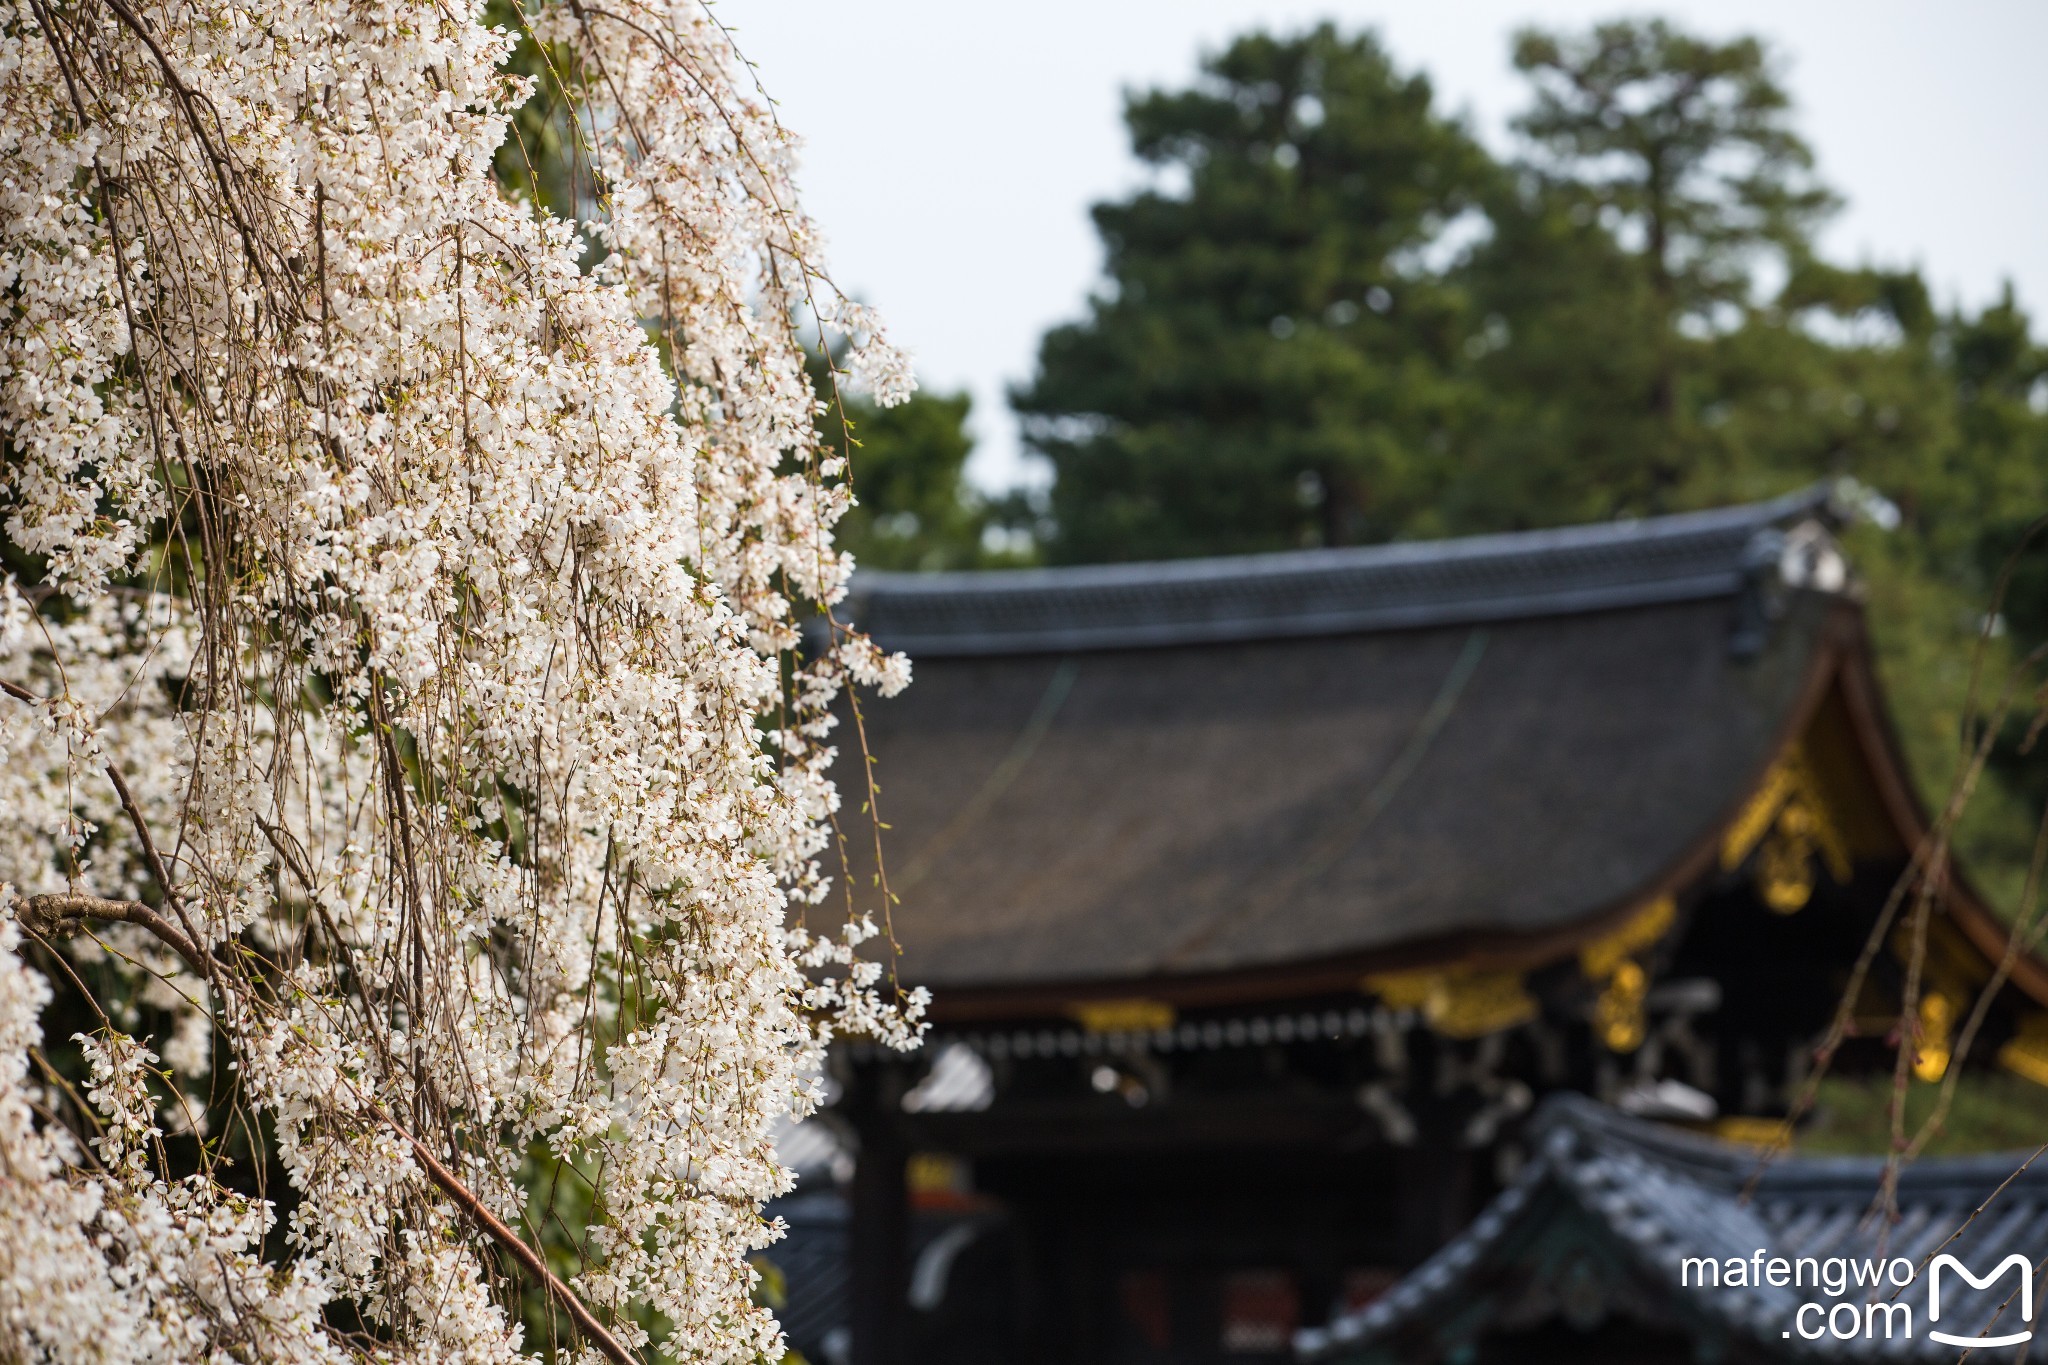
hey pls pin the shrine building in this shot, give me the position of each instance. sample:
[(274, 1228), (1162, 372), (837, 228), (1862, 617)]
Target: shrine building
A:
[(1262, 899)]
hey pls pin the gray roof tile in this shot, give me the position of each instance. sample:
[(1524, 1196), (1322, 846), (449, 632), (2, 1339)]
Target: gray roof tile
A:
[(1662, 1196)]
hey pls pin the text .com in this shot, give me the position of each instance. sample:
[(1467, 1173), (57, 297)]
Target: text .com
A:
[(1876, 1310)]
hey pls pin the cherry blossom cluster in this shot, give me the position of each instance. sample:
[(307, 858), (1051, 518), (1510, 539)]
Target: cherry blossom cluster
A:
[(421, 678)]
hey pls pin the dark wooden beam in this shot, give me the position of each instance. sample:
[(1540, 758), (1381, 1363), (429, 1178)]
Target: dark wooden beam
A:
[(1026, 1127)]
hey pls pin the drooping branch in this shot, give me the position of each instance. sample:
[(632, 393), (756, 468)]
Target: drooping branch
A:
[(494, 1227)]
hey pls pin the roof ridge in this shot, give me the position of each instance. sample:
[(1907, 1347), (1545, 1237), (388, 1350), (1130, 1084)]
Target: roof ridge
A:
[(1679, 557)]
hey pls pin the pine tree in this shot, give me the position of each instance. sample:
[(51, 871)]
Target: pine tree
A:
[(1274, 359)]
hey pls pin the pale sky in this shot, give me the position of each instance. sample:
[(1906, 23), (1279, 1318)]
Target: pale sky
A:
[(954, 145)]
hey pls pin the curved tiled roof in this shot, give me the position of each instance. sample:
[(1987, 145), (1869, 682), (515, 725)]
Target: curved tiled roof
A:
[(1318, 592), (1144, 774), (1658, 1196)]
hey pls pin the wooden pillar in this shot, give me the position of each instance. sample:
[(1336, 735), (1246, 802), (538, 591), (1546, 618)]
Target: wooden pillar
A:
[(1435, 1186), (880, 1242), (1436, 1193)]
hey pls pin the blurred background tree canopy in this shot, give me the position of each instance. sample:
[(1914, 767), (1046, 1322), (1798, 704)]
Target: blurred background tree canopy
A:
[(1277, 359)]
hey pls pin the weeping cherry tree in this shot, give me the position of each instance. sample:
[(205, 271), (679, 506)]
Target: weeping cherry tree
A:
[(413, 756)]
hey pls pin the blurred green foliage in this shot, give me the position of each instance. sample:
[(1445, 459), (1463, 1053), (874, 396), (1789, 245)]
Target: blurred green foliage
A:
[(1334, 318), (1992, 1112)]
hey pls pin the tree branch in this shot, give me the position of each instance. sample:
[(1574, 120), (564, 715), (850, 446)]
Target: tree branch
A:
[(451, 1185), (182, 936), (62, 914)]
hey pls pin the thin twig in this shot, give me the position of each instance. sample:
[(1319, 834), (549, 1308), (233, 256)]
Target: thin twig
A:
[(451, 1185)]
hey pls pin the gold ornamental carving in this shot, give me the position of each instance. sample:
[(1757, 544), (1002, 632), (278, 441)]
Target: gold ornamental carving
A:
[(1934, 1043), (1458, 1003), (1788, 826), (1620, 1019)]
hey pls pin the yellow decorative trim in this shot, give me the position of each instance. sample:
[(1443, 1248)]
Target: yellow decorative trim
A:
[(1749, 828), (1599, 959), (1935, 1045), (1405, 990), (2027, 1054), (1749, 1131), (1122, 1016), (2027, 1060), (1458, 1004), (935, 1173), (1789, 818)]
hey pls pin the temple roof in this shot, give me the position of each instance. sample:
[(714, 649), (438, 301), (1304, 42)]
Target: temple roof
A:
[(1662, 560), (1601, 1218), (1148, 776)]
